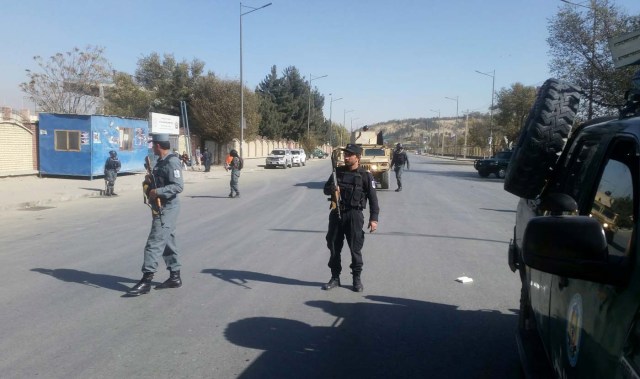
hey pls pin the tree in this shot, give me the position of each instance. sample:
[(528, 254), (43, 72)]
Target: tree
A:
[(513, 105), (215, 106), (70, 82), (169, 80), (578, 45), (127, 98), (285, 107)]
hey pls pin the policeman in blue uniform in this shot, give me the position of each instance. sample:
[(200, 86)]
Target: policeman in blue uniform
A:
[(356, 186), (167, 175), (111, 168)]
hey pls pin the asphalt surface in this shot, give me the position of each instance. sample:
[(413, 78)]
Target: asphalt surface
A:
[(251, 304)]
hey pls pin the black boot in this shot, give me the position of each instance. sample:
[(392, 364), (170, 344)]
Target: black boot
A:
[(357, 283), (332, 283), (143, 286), (174, 281)]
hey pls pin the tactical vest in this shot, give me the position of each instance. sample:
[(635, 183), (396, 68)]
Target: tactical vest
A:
[(353, 189), (400, 158)]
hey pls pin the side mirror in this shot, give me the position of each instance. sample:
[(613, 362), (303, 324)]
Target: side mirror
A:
[(573, 247)]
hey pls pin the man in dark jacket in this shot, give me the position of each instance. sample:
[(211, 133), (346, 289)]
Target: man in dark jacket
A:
[(355, 186), (398, 161), (111, 168), (207, 157)]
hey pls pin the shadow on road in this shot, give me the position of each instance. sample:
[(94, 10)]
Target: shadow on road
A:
[(87, 278), (400, 234), (207, 197), (242, 278), (384, 338), (311, 185)]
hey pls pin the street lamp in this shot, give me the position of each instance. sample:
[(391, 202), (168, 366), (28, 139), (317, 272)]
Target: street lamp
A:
[(492, 74), (311, 78), (440, 131), (593, 54), (241, 82), (332, 100), (456, 128), (352, 118), (344, 122)]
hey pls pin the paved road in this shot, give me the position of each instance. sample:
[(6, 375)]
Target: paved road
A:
[(251, 305)]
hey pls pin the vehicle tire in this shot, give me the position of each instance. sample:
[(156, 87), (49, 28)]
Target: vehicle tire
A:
[(483, 174), (501, 173), (304, 163), (384, 183), (542, 138)]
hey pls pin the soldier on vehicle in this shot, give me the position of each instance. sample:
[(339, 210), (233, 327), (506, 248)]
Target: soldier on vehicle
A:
[(398, 161), (167, 175), (111, 168), (354, 187)]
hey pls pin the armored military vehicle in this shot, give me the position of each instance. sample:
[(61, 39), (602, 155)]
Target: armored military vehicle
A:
[(575, 240), (376, 158)]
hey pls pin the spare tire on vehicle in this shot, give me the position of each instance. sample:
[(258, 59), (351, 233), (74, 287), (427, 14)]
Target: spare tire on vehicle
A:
[(542, 138)]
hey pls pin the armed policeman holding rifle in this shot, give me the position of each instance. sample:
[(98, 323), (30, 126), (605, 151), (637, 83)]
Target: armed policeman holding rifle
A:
[(162, 186), (350, 187)]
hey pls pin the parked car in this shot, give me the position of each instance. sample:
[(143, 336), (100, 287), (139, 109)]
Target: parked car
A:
[(317, 153), (575, 241), (298, 157), (279, 158), (496, 165)]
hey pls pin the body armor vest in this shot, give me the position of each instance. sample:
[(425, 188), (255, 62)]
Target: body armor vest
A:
[(352, 190)]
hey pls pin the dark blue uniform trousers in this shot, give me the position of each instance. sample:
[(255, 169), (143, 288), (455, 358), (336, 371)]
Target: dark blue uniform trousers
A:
[(349, 227)]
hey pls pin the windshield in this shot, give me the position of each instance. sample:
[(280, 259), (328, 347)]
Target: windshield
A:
[(277, 152), (295, 152), (373, 152)]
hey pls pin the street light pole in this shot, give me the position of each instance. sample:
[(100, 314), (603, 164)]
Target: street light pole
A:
[(352, 122), (440, 131), (311, 78), (492, 74), (456, 128), (344, 122), (330, 114), (241, 82)]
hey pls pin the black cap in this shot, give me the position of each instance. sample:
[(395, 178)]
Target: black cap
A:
[(353, 148)]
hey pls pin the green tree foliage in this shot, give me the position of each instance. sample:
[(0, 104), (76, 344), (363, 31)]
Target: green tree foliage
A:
[(578, 45), (285, 107), (69, 82), (512, 108), (170, 81), (215, 106), (127, 98)]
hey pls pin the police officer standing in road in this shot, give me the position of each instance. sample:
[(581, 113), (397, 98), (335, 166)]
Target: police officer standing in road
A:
[(111, 168), (355, 187), (235, 165), (207, 157), (398, 161), (167, 175)]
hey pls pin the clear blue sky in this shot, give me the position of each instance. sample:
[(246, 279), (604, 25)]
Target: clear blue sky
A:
[(386, 59)]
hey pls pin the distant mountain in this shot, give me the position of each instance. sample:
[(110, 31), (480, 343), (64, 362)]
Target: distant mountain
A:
[(416, 130)]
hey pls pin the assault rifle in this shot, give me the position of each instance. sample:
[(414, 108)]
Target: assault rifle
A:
[(335, 196), (149, 184)]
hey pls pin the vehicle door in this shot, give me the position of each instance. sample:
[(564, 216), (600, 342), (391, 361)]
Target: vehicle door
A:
[(589, 321), (573, 171)]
